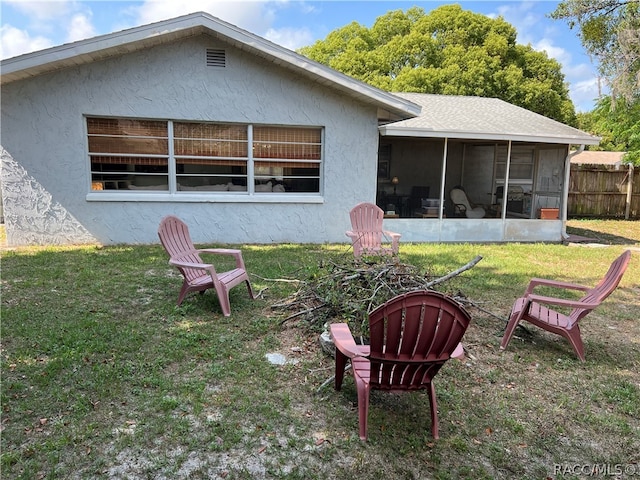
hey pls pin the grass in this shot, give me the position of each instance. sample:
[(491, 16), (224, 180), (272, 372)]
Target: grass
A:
[(104, 377)]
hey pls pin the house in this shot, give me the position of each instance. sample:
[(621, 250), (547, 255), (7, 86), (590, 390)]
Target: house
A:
[(249, 142)]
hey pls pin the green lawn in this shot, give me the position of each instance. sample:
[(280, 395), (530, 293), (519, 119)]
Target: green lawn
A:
[(104, 377)]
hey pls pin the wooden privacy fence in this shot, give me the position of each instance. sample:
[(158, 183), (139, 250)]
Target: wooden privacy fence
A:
[(601, 191)]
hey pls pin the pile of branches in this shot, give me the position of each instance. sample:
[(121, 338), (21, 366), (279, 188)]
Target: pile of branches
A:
[(348, 292)]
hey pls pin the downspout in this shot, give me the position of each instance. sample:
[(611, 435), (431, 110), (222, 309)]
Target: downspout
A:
[(565, 189)]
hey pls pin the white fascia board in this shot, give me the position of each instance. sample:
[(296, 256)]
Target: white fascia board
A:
[(389, 130)]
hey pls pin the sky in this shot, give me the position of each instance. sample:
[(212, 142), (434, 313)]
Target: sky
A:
[(28, 26)]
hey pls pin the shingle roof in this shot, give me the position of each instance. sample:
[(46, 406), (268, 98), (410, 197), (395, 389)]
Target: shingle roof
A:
[(138, 38), (464, 117), (598, 158)]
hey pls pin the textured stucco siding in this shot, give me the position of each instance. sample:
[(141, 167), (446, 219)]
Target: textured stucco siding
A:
[(46, 174)]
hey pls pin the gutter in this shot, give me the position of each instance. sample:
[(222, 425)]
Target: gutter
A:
[(567, 176)]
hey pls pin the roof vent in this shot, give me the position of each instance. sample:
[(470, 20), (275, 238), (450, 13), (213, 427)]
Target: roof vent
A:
[(216, 57)]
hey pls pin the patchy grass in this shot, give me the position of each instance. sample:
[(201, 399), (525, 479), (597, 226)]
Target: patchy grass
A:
[(104, 377), (609, 232)]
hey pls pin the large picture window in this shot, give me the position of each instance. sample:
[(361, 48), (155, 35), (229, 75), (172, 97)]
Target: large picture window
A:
[(176, 157)]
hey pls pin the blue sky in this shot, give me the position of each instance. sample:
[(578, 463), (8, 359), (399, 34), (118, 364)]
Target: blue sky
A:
[(28, 26)]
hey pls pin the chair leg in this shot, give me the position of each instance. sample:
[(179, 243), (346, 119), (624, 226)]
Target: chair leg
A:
[(250, 289), (433, 404), (341, 362), (363, 406), (183, 292), (223, 298), (514, 320), (575, 339)]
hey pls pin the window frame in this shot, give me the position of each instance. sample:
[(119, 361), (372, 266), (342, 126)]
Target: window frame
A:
[(173, 194)]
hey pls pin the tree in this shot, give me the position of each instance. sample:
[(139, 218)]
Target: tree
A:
[(448, 51), (619, 127), (610, 32)]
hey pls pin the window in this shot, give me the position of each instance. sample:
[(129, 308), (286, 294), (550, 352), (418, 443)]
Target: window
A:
[(521, 163), (176, 157), (287, 156), (128, 154), (210, 157)]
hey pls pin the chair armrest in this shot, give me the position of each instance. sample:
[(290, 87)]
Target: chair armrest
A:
[(458, 353), (351, 234), (561, 302), (221, 251), (343, 340), (237, 254), (178, 263), (393, 235), (534, 282)]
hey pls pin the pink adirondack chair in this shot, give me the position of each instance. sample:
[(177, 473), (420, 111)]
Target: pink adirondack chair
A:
[(530, 307), (366, 232), (412, 336), (199, 276)]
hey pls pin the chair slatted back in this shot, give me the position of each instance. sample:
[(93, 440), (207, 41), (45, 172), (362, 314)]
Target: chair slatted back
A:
[(411, 337), (366, 221), (175, 238), (605, 287)]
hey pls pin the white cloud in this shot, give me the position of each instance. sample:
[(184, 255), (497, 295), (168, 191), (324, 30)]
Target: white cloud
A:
[(47, 23), (254, 16), (80, 27), (583, 94), (14, 41), (291, 38), (553, 51), (40, 10)]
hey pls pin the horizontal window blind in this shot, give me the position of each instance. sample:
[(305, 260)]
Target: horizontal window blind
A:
[(110, 160), (127, 127), (204, 161)]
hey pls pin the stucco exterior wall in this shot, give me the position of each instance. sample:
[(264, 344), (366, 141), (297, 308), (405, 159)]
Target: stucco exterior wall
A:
[(46, 174)]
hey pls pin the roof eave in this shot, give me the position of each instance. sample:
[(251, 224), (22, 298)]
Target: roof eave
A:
[(390, 130)]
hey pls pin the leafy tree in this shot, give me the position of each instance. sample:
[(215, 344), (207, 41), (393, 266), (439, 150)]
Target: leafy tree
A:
[(619, 127), (610, 32), (448, 51)]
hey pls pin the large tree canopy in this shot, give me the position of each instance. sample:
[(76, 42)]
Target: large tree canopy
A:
[(619, 127), (448, 51), (610, 32)]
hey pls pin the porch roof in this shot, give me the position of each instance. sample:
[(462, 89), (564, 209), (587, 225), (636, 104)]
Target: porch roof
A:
[(390, 107), (479, 118)]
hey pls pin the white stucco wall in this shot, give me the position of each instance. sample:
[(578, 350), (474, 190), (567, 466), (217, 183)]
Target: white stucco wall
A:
[(46, 189)]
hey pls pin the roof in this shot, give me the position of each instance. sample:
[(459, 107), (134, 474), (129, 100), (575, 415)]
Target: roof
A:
[(598, 158), (139, 38), (463, 117)]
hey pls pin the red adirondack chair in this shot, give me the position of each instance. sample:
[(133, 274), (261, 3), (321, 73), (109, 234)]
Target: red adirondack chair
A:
[(366, 232), (200, 276), (412, 336), (530, 307)]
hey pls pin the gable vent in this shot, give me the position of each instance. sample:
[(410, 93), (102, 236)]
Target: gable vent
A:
[(216, 57)]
